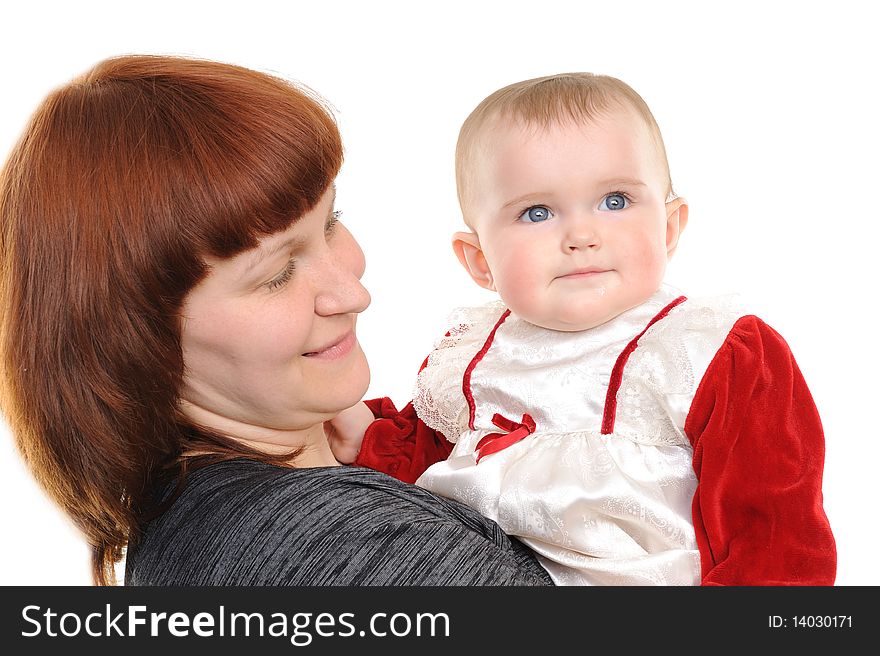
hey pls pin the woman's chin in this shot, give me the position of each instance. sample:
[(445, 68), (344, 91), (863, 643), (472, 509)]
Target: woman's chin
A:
[(352, 387)]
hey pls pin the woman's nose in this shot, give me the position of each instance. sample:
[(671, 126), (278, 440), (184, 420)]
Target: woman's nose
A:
[(340, 290)]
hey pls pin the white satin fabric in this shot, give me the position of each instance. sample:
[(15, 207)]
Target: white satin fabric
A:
[(598, 509)]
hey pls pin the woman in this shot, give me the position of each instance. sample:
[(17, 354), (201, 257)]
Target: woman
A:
[(178, 330)]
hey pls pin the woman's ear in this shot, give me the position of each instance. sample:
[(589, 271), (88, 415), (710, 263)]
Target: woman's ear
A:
[(676, 221), (467, 248)]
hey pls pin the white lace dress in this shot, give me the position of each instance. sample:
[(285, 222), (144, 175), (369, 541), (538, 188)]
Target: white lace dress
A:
[(601, 487)]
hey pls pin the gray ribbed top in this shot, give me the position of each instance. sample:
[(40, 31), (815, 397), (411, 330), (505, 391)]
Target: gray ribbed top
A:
[(248, 523)]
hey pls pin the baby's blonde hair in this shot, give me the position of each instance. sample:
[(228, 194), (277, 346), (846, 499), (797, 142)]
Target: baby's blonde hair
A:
[(542, 102)]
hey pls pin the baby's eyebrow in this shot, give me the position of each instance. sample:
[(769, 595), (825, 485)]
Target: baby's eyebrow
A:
[(631, 182), (610, 182), (519, 200)]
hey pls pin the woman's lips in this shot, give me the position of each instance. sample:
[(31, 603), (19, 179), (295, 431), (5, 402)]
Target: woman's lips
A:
[(337, 350)]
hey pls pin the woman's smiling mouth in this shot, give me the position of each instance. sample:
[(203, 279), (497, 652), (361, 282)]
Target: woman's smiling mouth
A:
[(336, 349)]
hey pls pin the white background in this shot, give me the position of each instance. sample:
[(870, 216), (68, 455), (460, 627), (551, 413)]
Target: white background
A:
[(769, 112)]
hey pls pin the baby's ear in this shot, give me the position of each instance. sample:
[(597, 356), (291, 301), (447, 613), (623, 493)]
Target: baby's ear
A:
[(467, 248), (676, 221)]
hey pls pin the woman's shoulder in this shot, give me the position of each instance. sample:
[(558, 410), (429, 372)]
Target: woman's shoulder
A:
[(249, 523), (229, 512), (242, 486)]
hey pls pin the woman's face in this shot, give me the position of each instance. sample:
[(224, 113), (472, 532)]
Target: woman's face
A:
[(269, 336)]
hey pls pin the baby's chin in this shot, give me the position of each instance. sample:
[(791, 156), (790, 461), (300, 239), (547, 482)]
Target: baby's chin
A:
[(570, 326), (571, 319)]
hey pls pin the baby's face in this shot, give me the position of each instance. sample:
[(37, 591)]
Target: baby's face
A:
[(572, 220)]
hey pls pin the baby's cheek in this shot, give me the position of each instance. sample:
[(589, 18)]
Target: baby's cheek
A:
[(649, 257), (519, 286)]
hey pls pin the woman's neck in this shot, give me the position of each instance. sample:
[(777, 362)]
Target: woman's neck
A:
[(311, 441)]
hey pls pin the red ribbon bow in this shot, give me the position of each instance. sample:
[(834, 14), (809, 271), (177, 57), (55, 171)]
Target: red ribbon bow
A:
[(494, 442)]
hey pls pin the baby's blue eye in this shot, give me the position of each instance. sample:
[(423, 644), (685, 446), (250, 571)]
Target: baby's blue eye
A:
[(614, 202), (536, 214)]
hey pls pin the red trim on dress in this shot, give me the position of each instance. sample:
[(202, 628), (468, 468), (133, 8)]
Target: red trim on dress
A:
[(515, 431), (466, 380), (610, 412)]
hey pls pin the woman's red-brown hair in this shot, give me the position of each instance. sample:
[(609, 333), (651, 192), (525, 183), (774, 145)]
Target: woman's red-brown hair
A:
[(122, 181)]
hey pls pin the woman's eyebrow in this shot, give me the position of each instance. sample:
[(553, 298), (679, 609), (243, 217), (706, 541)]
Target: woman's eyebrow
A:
[(260, 253), (291, 243)]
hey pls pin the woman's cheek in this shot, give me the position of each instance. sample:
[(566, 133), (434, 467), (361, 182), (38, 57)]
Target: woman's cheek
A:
[(284, 330)]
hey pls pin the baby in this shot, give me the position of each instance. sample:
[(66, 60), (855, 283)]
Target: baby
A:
[(629, 435)]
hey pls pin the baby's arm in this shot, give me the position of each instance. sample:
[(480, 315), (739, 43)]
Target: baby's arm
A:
[(400, 444), (345, 431), (395, 442), (375, 434), (759, 454)]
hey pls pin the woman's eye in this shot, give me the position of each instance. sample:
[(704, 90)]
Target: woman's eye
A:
[(282, 278), (614, 202), (333, 219), (536, 214)]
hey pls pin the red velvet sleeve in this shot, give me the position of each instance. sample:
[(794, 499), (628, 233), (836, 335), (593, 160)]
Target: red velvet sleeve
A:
[(399, 443), (759, 453)]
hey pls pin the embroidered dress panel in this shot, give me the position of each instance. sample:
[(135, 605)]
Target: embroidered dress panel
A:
[(598, 509)]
